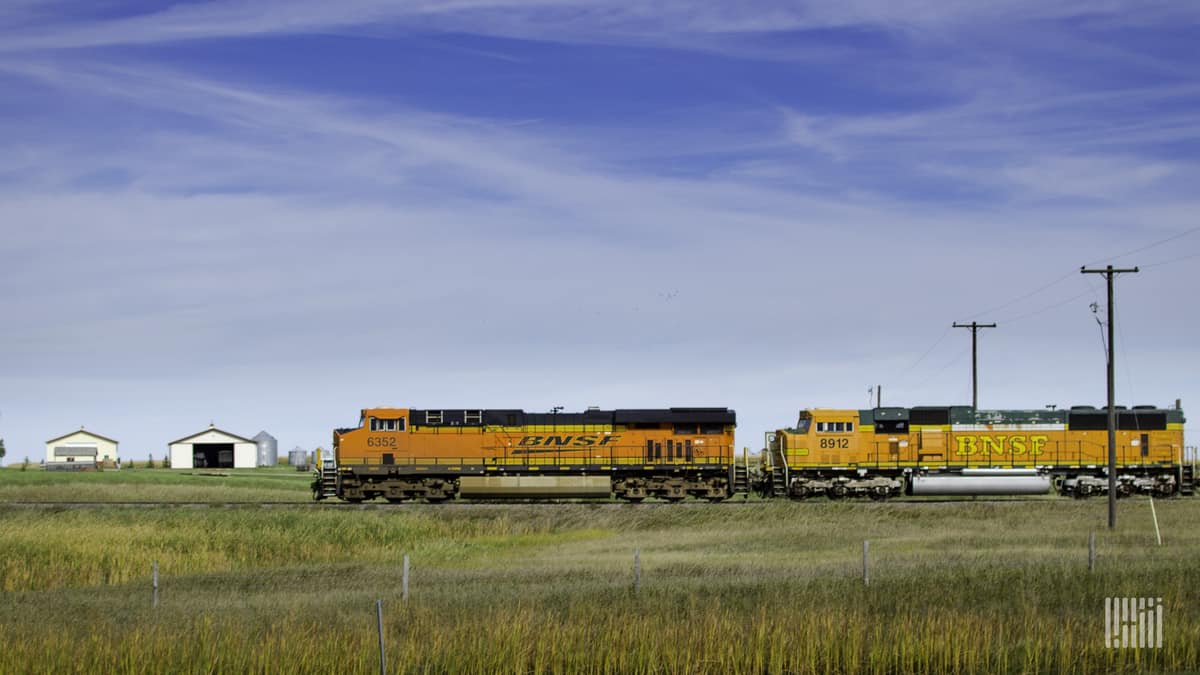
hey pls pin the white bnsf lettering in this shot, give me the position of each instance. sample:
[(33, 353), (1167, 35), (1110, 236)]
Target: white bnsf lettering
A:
[(999, 444)]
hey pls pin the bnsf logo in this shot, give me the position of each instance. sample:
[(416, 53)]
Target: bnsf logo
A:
[(1001, 445), (580, 441)]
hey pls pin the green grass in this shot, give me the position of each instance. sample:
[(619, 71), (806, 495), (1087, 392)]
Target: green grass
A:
[(274, 484), (760, 588)]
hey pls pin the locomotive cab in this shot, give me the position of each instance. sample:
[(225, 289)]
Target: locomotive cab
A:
[(822, 436), (380, 437)]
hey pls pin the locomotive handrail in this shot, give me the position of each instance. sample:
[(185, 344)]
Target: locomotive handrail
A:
[(723, 455)]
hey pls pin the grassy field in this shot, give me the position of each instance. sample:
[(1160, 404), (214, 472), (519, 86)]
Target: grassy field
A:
[(274, 484), (754, 588)]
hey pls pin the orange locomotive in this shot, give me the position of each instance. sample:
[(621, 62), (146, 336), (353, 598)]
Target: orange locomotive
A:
[(883, 452), (403, 453)]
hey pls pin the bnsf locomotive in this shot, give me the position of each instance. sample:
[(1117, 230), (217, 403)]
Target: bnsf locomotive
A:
[(402, 453), (675, 453), (884, 452)]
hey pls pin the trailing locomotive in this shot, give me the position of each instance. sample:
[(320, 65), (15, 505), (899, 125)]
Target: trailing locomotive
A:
[(884, 452), (402, 453)]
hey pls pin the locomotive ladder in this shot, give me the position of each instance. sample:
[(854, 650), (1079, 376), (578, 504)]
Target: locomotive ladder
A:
[(328, 479), (741, 475), (778, 473), (1187, 479)]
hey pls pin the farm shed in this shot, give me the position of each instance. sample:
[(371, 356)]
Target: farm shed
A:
[(213, 448), (80, 448)]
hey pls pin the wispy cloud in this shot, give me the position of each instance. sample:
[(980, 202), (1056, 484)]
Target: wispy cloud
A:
[(795, 233), (597, 20)]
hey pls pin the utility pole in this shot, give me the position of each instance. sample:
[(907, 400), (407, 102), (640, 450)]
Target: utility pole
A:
[(1109, 273), (974, 358)]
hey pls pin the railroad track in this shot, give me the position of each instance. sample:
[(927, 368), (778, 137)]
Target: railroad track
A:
[(815, 503)]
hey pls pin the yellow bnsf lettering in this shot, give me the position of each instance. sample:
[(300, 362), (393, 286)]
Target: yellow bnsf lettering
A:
[(998, 445), (1036, 443), (993, 445), (966, 445)]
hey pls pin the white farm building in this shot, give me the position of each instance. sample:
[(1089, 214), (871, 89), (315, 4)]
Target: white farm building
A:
[(81, 447), (213, 449)]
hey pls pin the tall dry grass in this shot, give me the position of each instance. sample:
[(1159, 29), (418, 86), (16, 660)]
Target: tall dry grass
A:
[(773, 588)]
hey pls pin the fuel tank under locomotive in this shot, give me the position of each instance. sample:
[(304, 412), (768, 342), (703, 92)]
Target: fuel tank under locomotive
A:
[(981, 482)]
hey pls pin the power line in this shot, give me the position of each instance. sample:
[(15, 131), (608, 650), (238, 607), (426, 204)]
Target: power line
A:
[(1047, 308), (929, 351), (1147, 247), (941, 370), (1025, 315), (1173, 260), (1032, 293), (1068, 275)]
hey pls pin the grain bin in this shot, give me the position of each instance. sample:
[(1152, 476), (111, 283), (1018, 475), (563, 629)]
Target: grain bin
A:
[(298, 456), (268, 449)]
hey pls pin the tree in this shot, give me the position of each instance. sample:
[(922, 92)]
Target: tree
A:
[(1, 448)]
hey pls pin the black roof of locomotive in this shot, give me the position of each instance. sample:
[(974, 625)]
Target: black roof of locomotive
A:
[(517, 417)]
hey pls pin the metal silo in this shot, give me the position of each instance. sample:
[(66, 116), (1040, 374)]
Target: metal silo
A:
[(298, 456), (268, 449)]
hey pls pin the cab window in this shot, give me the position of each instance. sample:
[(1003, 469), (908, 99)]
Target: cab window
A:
[(379, 424)]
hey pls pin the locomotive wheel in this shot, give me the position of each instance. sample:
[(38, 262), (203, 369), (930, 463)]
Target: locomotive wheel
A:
[(879, 496), (395, 500), (837, 491)]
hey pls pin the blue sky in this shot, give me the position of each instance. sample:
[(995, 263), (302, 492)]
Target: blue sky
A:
[(271, 214)]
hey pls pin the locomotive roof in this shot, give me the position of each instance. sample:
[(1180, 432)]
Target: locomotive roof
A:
[(518, 417), (1075, 416)]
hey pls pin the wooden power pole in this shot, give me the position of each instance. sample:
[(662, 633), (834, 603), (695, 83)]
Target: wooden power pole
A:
[(974, 358), (1109, 273)]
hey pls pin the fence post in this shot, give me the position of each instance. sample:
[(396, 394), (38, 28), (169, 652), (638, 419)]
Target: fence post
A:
[(379, 623), (637, 570), (1154, 514), (404, 580), (866, 575), (155, 583), (1091, 551)]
